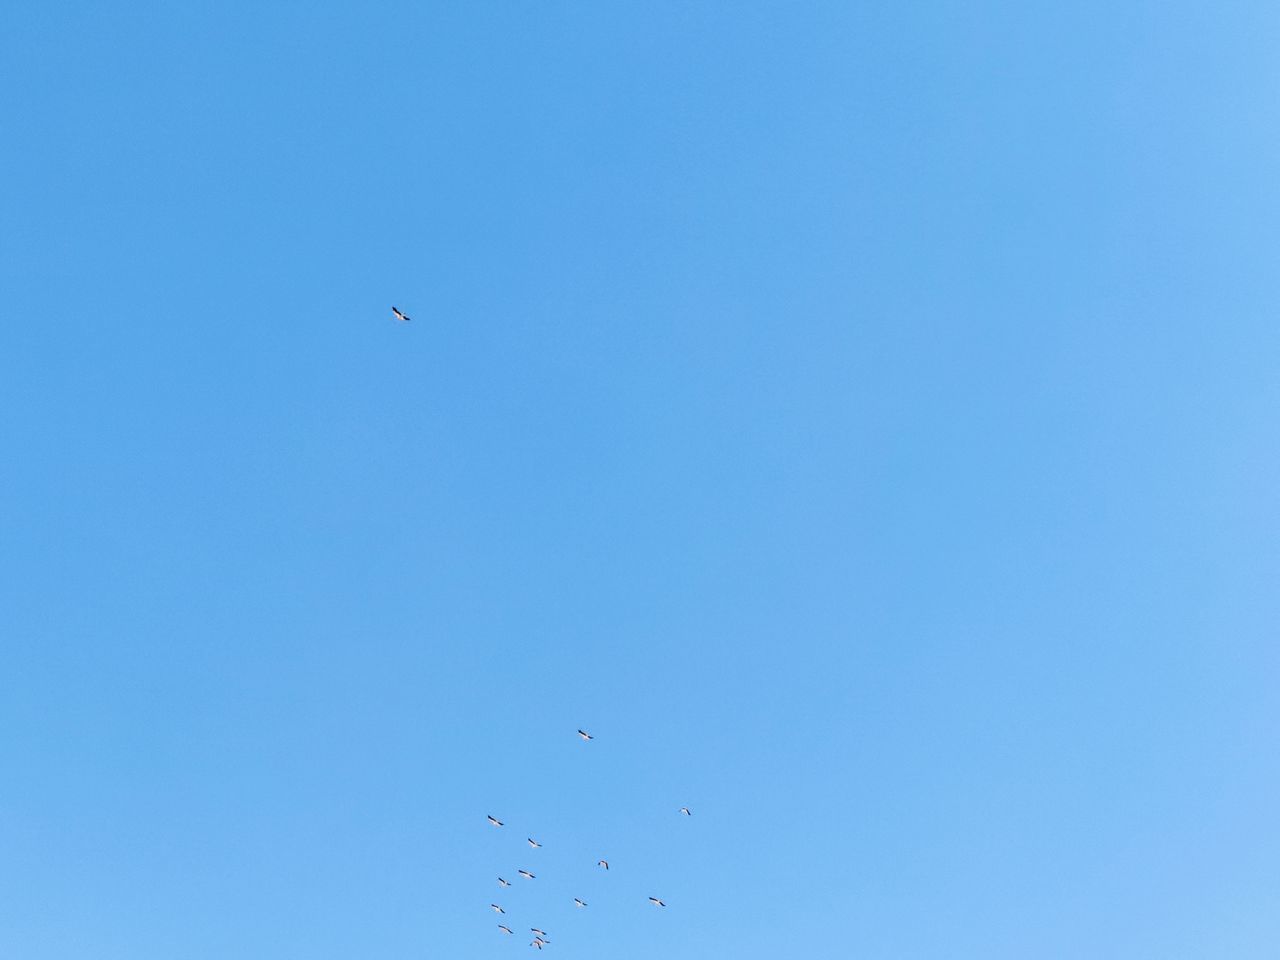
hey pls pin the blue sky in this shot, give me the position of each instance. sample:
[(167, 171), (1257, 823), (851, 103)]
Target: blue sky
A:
[(861, 416)]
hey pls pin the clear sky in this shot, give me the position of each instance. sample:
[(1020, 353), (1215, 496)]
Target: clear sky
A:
[(862, 416)]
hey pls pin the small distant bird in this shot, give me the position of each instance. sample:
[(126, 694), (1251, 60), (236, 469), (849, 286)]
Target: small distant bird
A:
[(526, 874), (540, 933), (494, 820), (584, 735), (603, 863), (496, 908), (505, 929), (656, 902), (579, 903), (685, 811), (535, 942), (533, 843), (505, 883), (400, 316)]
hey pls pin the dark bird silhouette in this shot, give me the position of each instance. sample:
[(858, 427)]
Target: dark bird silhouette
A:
[(400, 316)]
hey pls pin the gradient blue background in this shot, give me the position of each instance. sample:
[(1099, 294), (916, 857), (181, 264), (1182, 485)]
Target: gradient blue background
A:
[(863, 417)]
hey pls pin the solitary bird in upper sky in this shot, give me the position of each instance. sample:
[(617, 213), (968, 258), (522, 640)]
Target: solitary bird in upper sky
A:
[(685, 811), (526, 874), (584, 735), (496, 908), (603, 863), (505, 883), (656, 902), (533, 843), (494, 820), (400, 316), (579, 903), (504, 928)]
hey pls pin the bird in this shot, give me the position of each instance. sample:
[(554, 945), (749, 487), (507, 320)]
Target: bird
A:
[(400, 316), (504, 928), (685, 811), (494, 820), (603, 863), (579, 903), (656, 902), (585, 736), (535, 942), (539, 933), (504, 883), (533, 843), (496, 909), (526, 874)]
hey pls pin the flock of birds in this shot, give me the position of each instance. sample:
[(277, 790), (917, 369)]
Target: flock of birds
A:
[(540, 937)]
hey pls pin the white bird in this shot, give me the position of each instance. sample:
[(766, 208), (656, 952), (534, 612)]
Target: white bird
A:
[(685, 811), (533, 843), (504, 928), (535, 942), (505, 883), (526, 874), (494, 820), (603, 863), (540, 933), (579, 903), (584, 735), (656, 902), (400, 316), (496, 908)]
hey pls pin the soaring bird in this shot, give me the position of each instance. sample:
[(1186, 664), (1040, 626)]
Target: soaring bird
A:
[(533, 843), (400, 316), (504, 928), (541, 934), (535, 942), (603, 863), (526, 874), (494, 820), (579, 903), (584, 735), (656, 902), (685, 811), (505, 883), (496, 909)]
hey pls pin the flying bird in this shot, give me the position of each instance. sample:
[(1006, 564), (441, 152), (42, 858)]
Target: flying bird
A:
[(535, 942), (400, 316), (685, 811), (533, 843), (496, 908), (526, 874), (603, 863), (505, 883), (494, 820), (656, 902), (579, 903), (504, 928), (540, 933), (584, 735)]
